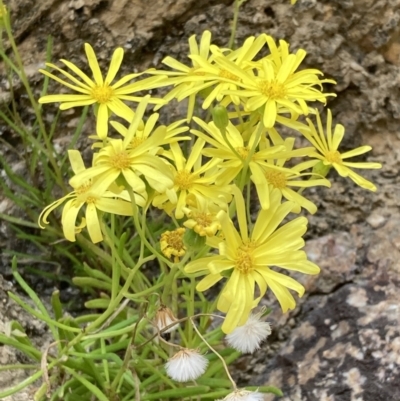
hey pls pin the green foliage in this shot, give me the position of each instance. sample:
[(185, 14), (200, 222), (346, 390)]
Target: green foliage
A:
[(109, 355)]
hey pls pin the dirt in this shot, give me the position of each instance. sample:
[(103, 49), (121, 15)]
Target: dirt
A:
[(342, 343)]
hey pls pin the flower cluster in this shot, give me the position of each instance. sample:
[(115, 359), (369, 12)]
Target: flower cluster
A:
[(198, 177)]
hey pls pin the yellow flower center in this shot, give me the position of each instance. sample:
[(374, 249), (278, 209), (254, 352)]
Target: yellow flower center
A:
[(228, 75), (203, 219), (184, 179), (171, 243), (83, 193), (276, 178), (136, 141), (272, 89), (333, 156), (120, 161), (83, 188), (102, 94), (243, 152), (244, 261), (91, 199)]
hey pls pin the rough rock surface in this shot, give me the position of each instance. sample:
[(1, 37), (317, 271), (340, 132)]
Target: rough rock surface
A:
[(342, 343)]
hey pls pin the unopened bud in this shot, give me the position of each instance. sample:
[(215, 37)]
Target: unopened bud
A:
[(220, 117), (165, 317), (193, 241), (321, 169)]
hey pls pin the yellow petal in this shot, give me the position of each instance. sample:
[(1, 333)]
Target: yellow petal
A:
[(71, 77), (199, 264), (75, 158), (93, 223), (116, 61), (208, 282), (69, 215), (93, 64), (81, 89), (102, 121), (270, 113), (79, 72)]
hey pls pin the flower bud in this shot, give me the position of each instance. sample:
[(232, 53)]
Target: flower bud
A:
[(165, 317), (321, 169), (220, 117), (193, 241)]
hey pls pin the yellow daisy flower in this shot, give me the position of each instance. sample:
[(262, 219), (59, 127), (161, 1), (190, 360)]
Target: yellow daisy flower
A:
[(191, 177), (276, 86), (170, 132), (183, 76), (85, 194), (118, 157), (202, 216), (232, 158), (273, 175), (100, 91), (171, 243), (327, 145), (219, 79), (247, 260)]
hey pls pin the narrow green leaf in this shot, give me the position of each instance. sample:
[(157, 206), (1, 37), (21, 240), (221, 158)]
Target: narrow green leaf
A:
[(266, 389), (91, 282), (32, 311), (98, 303), (177, 393), (90, 386)]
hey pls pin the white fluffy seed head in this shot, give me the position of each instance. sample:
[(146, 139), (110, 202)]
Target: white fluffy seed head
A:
[(186, 365), (247, 338), (165, 317), (244, 395)]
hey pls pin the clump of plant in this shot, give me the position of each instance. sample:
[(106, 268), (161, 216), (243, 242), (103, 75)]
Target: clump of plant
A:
[(166, 213)]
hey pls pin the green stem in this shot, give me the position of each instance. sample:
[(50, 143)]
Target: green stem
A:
[(237, 5), (249, 156), (141, 232)]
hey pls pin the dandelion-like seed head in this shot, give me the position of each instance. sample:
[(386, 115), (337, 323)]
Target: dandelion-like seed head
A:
[(333, 156), (184, 180), (272, 89), (171, 243), (186, 365), (244, 395), (247, 338), (102, 94), (276, 178), (228, 75)]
